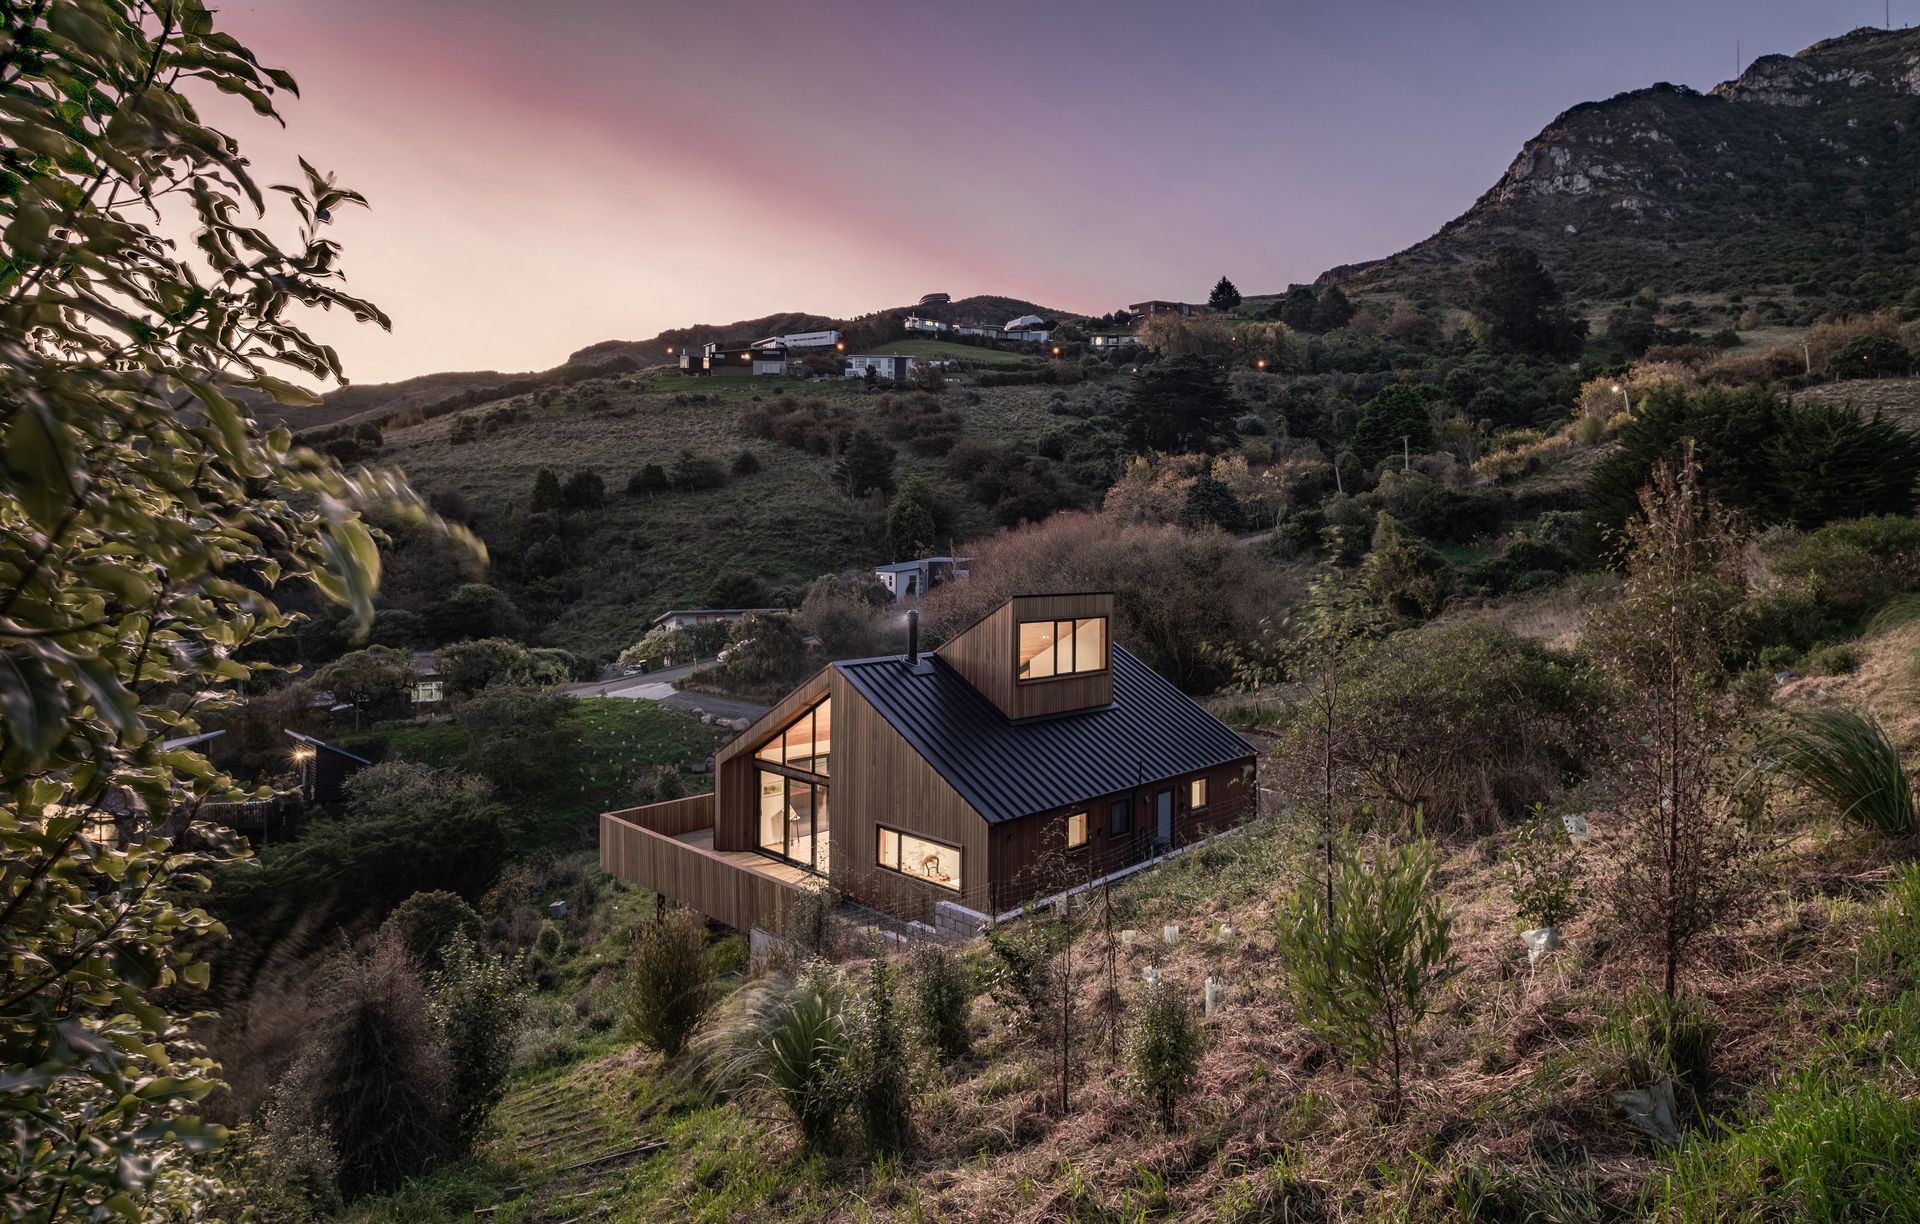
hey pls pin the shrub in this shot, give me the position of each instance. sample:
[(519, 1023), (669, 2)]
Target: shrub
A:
[(479, 1002), (942, 1001), (670, 983), (1776, 459), (372, 1073), (1363, 973), (693, 473), (746, 463), (427, 922), (518, 736), (1835, 660), (1847, 760), (1163, 1051), (584, 490), (1543, 869), (1855, 566), (877, 1068), (648, 481)]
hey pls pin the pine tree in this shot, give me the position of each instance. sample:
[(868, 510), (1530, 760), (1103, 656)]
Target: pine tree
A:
[(1224, 296), (866, 467), (1399, 411)]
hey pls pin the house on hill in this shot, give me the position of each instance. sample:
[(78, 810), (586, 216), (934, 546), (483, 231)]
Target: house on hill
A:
[(736, 360), (685, 618), (895, 366), (1146, 310), (1028, 754), (912, 579)]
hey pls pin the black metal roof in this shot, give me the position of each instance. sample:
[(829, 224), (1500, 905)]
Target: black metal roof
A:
[(1008, 769)]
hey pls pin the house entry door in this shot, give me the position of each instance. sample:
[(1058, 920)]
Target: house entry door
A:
[(1163, 816)]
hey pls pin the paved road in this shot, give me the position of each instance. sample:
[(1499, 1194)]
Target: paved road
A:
[(659, 686)]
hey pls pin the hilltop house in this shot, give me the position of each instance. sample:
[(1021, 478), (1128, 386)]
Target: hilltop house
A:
[(1146, 310), (1027, 754), (912, 579), (683, 618), (1109, 341), (895, 366), (736, 361)]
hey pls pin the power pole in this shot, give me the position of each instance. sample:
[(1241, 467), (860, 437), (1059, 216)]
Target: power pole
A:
[(1406, 453)]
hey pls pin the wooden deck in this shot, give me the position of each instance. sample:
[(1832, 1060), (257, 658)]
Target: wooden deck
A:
[(747, 860), (668, 847)]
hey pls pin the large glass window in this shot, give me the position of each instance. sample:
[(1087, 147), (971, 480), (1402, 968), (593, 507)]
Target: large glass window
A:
[(807, 743), (794, 822), (920, 858), (793, 789), (1052, 648)]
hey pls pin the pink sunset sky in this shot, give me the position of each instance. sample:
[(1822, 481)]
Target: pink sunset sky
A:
[(546, 175)]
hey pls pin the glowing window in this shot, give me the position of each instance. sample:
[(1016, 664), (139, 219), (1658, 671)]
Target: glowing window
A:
[(1076, 830), (1053, 648), (1197, 793), (920, 858)]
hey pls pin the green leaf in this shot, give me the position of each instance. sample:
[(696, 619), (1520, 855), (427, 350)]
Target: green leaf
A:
[(35, 455), (34, 704)]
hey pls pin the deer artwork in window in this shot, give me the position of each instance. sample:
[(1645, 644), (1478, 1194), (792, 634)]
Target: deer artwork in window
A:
[(930, 868)]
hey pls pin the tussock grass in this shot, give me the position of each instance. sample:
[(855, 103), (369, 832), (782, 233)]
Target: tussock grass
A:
[(1847, 760)]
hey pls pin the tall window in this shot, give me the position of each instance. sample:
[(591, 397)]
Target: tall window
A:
[(794, 810), (932, 861), (1076, 830), (1120, 817), (1197, 793), (1051, 648)]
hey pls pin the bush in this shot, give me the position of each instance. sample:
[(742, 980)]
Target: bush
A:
[(670, 981), (584, 490), (1834, 660), (428, 922), (1776, 459), (1163, 1051), (1855, 566), (877, 1067), (372, 1073), (1847, 760), (746, 463), (479, 1002), (648, 481), (1363, 974), (1543, 871), (518, 736), (942, 1001)]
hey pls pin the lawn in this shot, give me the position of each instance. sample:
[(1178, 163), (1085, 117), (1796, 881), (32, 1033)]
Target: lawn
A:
[(967, 353)]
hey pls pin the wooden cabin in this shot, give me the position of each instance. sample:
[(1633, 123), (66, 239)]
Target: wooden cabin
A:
[(1029, 754)]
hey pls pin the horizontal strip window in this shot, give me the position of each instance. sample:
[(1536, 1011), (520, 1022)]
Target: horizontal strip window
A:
[(1053, 648), (909, 855)]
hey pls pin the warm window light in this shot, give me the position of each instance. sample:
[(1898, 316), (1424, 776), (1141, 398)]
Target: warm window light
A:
[(1262, 363), (1056, 350), (669, 350)]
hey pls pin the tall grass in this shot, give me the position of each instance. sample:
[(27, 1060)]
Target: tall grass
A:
[(1822, 1148), (789, 1040), (1847, 760)]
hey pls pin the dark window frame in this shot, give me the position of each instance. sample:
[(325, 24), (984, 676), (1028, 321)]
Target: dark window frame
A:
[(1119, 817), (959, 852), (1106, 647)]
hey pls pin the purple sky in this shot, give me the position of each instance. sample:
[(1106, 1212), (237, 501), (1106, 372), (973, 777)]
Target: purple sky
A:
[(547, 175)]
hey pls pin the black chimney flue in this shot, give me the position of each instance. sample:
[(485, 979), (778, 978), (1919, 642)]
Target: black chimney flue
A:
[(913, 636)]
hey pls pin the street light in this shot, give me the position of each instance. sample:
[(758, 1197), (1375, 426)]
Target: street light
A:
[(1623, 395)]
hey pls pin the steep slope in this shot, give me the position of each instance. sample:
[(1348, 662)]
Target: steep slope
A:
[(1802, 176)]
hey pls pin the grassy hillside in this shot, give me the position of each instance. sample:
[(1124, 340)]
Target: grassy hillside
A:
[(640, 555)]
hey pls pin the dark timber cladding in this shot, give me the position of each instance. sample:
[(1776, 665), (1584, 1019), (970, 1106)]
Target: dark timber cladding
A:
[(1149, 731)]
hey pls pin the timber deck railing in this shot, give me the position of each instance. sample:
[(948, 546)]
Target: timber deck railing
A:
[(640, 845)]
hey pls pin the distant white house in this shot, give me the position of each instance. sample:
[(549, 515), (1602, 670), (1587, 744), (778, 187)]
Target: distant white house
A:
[(912, 579), (800, 340), (681, 618), (895, 366), (914, 323)]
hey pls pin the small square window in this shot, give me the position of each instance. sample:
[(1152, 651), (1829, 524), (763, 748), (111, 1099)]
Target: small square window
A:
[(1076, 830), (1197, 793)]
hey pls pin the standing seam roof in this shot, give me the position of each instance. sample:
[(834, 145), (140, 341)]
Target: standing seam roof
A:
[(1008, 769)]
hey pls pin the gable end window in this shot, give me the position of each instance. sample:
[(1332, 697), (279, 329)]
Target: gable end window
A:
[(1049, 649)]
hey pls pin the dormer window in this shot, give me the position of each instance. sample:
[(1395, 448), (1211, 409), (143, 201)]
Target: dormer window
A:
[(1049, 649)]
